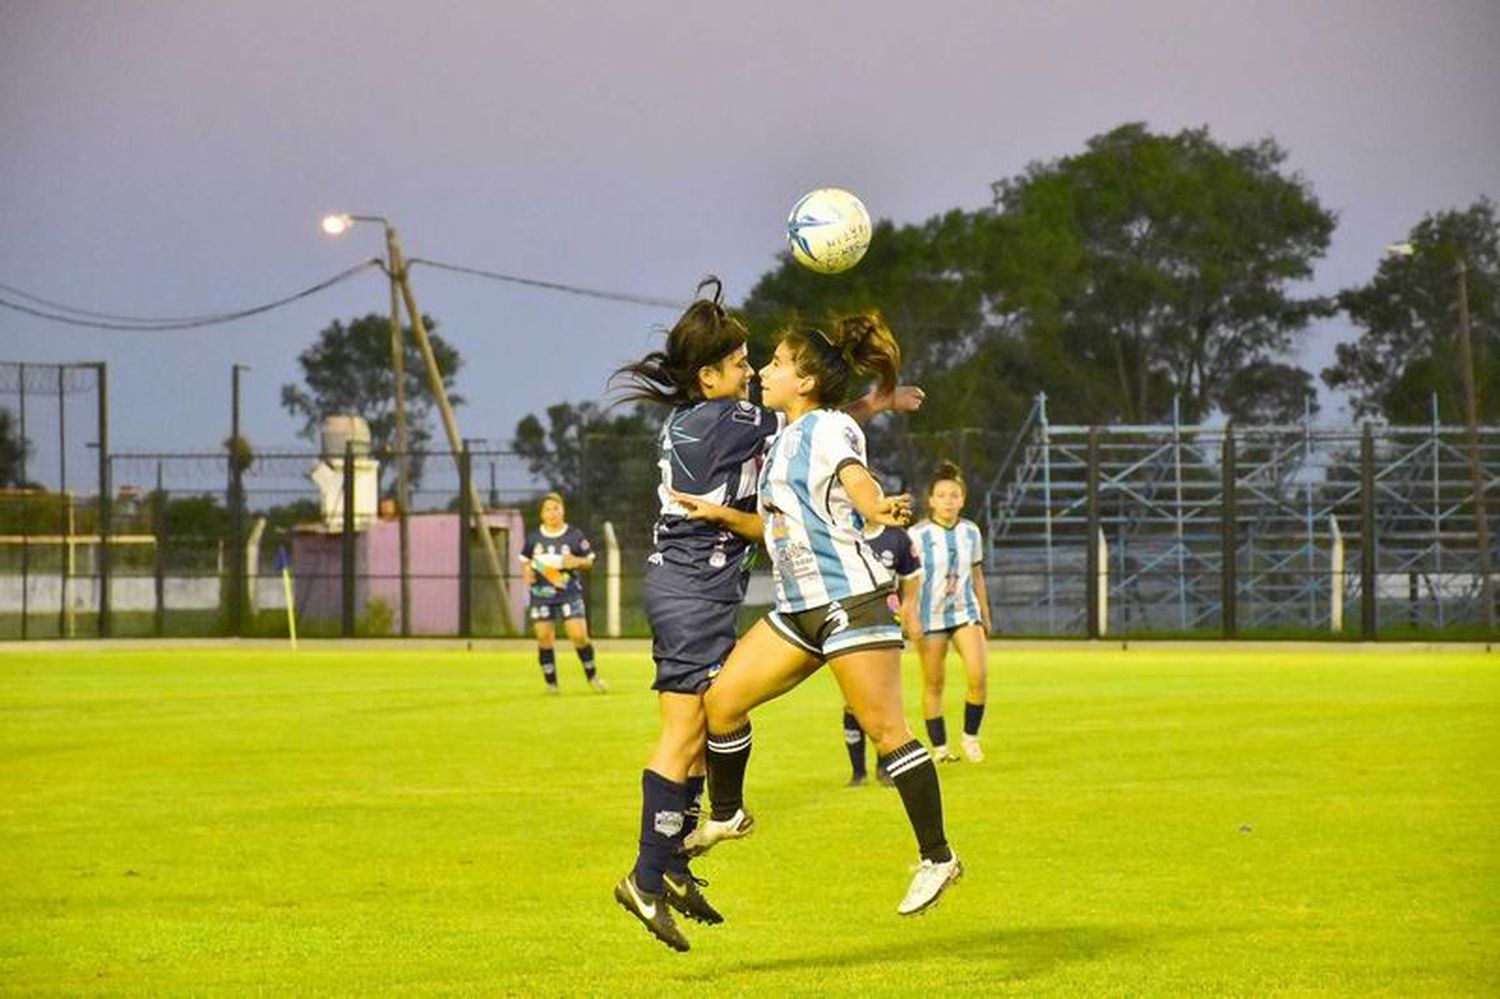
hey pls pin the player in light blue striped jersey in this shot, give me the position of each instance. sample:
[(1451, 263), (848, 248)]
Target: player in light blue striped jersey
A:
[(952, 608), (835, 602)]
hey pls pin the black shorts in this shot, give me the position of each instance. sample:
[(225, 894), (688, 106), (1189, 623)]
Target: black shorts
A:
[(557, 612), (868, 621), (690, 637)]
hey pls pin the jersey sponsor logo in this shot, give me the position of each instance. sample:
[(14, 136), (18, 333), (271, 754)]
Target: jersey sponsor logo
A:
[(717, 559), (745, 412), (668, 823)]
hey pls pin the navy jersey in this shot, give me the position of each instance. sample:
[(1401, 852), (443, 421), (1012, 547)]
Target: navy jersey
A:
[(712, 450), (893, 546), (551, 583)]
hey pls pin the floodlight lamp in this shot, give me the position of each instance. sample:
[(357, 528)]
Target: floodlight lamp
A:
[(336, 225)]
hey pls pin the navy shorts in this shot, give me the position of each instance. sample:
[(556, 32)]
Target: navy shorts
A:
[(557, 612), (690, 638)]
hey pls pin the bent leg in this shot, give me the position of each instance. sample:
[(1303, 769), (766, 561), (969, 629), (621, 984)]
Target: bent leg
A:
[(871, 682), (762, 666)]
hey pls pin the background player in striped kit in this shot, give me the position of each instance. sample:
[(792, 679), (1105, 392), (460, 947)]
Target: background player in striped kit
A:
[(711, 446), (893, 546), (953, 607), (552, 559), (835, 602)]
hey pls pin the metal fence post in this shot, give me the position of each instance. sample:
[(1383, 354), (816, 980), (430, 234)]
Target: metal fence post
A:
[(236, 542), (348, 546), (1228, 517), (106, 508), (465, 569), (159, 563), (1368, 621), (1091, 591)]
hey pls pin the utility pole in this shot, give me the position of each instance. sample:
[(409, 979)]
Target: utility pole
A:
[(450, 424)]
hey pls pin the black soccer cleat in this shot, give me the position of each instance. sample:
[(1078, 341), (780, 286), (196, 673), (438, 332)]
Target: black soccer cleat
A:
[(683, 894), (652, 911)]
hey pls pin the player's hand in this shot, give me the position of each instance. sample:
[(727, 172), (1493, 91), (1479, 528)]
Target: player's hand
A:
[(895, 510), (697, 508), (901, 399)]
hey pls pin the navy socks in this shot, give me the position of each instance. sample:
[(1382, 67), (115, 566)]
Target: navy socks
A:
[(664, 806)]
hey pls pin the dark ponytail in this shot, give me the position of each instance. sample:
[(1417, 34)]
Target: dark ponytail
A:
[(704, 335), (860, 349)]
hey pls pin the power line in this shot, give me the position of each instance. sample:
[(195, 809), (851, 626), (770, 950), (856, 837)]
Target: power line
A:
[(107, 321), (569, 289)]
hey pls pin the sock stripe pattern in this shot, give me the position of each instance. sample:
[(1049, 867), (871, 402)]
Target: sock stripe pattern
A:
[(908, 757), (731, 743)]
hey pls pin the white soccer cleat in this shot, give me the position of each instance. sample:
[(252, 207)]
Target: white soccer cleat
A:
[(942, 754), (599, 685), (928, 885), (710, 832), (972, 749)]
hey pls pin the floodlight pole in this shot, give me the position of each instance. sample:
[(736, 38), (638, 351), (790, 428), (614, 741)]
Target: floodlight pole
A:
[(403, 480), (335, 225), (445, 409)]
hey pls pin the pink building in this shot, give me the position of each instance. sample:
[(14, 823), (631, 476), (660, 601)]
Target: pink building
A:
[(317, 561)]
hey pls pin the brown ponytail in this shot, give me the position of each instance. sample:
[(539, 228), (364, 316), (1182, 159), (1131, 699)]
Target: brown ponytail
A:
[(861, 348)]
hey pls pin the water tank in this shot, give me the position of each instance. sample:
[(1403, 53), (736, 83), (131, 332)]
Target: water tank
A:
[(345, 429)]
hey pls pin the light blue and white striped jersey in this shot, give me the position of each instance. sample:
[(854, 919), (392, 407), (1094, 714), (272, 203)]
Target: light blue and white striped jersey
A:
[(949, 555), (818, 552)]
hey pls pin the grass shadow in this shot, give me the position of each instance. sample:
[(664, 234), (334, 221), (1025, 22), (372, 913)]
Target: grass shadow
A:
[(1024, 953)]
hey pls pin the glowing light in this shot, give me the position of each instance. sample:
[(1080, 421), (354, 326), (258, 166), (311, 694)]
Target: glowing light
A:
[(336, 225)]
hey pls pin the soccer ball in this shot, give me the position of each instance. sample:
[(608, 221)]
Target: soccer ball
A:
[(828, 230)]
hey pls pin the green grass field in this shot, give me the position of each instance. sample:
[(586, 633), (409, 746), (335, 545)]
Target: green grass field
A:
[(1190, 820)]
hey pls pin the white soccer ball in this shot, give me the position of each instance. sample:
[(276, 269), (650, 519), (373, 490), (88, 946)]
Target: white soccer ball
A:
[(828, 230)]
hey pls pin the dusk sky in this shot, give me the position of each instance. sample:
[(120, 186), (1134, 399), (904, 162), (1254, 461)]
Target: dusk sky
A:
[(166, 158)]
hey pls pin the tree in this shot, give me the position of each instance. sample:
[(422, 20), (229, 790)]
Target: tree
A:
[(1150, 266), (14, 450), (603, 461), (925, 280), (349, 370), (1408, 348)]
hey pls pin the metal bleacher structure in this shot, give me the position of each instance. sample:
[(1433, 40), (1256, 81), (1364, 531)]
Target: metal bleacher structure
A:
[(1197, 530)]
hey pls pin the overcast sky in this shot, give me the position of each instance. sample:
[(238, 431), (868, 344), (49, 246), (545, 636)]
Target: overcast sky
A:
[(169, 158)]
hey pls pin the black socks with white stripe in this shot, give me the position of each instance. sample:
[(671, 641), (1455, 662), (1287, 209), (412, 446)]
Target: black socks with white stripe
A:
[(916, 778), (727, 756)]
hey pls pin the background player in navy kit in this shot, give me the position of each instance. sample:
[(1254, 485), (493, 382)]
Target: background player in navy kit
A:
[(711, 446), (892, 545), (552, 559)]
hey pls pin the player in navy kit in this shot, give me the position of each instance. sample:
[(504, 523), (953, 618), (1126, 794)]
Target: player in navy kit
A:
[(893, 547), (551, 559), (711, 447), (834, 601)]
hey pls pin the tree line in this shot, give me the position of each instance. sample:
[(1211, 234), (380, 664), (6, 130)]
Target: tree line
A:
[(1145, 276)]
